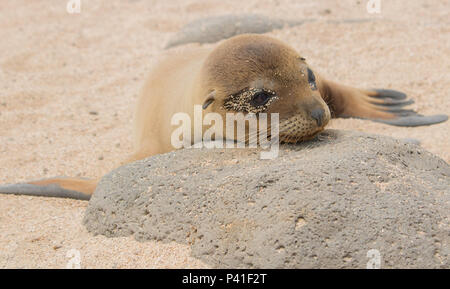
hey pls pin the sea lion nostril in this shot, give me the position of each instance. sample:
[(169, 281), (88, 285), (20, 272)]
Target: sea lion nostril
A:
[(318, 115)]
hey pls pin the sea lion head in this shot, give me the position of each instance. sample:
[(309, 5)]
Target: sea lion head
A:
[(254, 74)]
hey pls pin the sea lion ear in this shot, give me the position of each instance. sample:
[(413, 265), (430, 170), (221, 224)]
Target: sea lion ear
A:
[(209, 99)]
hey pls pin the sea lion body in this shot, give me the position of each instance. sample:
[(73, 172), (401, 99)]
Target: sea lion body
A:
[(247, 74), (181, 81), (171, 88)]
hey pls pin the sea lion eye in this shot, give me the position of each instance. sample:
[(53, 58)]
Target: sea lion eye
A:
[(254, 100), (312, 80), (260, 98)]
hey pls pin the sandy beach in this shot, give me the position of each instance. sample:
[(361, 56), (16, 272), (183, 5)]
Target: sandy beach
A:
[(69, 83)]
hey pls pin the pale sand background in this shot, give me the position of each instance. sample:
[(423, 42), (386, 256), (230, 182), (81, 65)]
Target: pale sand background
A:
[(56, 69)]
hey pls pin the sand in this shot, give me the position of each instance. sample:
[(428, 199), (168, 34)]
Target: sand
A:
[(69, 82)]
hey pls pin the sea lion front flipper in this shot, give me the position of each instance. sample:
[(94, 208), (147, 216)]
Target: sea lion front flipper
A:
[(379, 105), (393, 101)]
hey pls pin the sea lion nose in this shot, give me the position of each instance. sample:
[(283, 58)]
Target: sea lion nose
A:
[(318, 114)]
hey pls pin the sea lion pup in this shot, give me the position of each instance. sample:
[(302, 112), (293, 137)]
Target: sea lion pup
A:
[(249, 74)]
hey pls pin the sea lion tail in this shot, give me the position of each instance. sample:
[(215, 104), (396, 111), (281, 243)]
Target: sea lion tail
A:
[(72, 188)]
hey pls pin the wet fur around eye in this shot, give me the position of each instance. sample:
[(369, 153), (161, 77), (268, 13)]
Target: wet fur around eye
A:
[(243, 101)]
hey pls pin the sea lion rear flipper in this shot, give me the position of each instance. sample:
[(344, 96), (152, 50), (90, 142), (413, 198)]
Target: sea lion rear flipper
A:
[(78, 189)]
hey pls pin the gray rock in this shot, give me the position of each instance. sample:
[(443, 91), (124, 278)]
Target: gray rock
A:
[(320, 204), (411, 141), (216, 28)]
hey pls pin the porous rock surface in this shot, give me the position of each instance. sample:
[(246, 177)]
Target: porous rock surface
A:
[(321, 204)]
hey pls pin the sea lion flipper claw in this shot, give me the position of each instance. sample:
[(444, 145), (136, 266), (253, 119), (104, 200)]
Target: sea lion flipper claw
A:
[(403, 112), (388, 93), (390, 102)]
